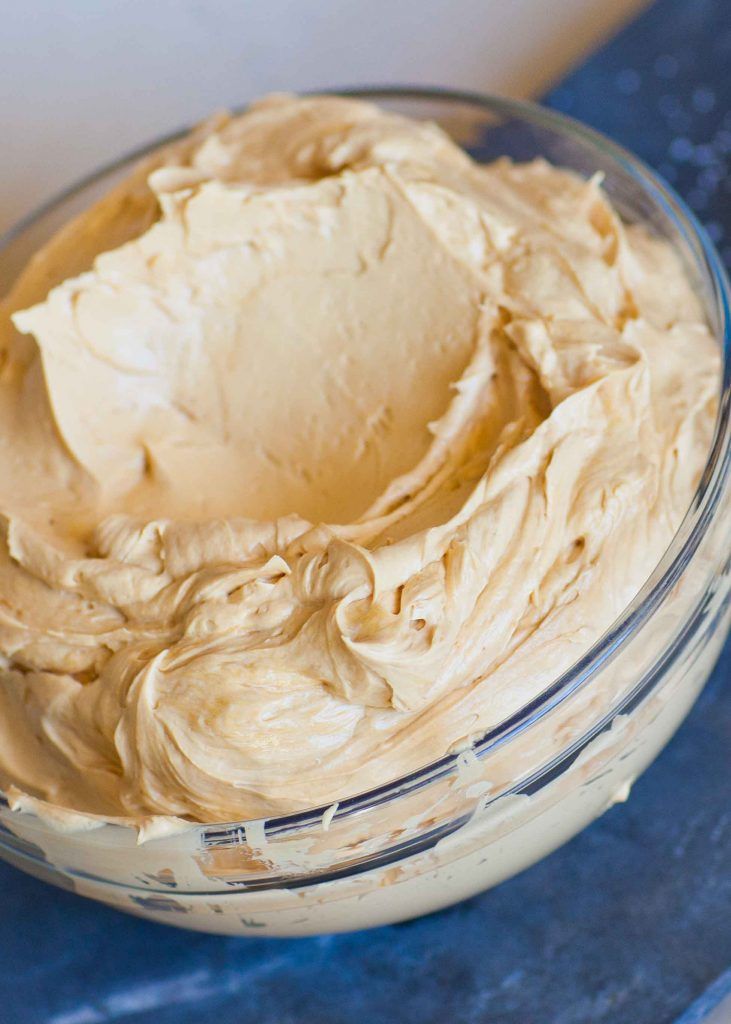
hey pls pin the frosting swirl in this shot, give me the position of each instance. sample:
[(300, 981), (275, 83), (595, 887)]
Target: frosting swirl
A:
[(322, 450)]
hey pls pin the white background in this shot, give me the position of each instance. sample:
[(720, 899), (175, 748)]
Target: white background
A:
[(82, 81)]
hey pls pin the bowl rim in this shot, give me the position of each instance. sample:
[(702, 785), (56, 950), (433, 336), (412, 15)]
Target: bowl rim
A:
[(684, 544)]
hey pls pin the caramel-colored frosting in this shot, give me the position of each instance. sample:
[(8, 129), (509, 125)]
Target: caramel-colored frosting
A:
[(322, 450)]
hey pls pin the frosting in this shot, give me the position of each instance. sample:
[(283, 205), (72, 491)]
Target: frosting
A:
[(322, 450)]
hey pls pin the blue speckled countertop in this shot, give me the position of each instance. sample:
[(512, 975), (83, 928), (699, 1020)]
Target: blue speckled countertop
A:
[(630, 923)]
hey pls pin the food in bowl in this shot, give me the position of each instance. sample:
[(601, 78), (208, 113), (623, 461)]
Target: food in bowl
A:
[(326, 450)]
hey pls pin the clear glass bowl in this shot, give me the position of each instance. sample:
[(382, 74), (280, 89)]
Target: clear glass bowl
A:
[(469, 820)]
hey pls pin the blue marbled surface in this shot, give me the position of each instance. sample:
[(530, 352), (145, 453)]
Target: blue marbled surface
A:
[(628, 924)]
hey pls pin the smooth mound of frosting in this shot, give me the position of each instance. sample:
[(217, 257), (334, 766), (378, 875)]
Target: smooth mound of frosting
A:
[(322, 450)]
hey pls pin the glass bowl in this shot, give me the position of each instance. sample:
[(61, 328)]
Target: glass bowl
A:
[(471, 819)]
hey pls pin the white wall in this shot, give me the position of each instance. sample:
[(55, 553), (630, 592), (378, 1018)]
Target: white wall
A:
[(81, 81)]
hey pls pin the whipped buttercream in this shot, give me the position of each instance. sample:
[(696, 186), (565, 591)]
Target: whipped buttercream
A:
[(322, 450)]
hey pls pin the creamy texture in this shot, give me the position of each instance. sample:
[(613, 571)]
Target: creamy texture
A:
[(325, 452)]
